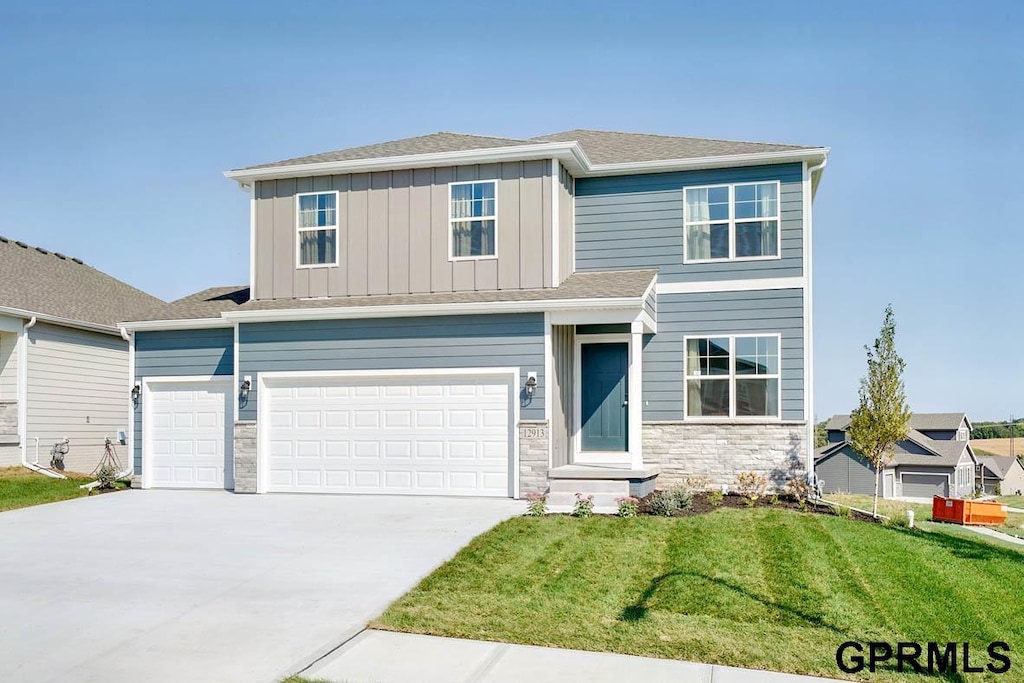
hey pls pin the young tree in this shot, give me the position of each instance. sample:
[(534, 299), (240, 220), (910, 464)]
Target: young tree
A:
[(880, 419)]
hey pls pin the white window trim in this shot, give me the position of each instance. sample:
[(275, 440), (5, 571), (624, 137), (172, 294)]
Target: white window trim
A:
[(732, 221), (452, 221), (336, 227), (965, 432), (732, 417)]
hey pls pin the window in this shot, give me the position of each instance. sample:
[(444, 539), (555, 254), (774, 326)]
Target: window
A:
[(963, 475), (963, 434), (732, 376), (732, 222), (473, 219), (317, 221)]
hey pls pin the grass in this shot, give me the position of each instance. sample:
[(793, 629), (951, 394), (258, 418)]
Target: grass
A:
[(21, 488), (760, 588), (1012, 501), (1014, 524), (997, 446)]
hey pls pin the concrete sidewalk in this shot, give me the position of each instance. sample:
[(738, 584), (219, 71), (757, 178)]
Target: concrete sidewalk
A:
[(383, 657)]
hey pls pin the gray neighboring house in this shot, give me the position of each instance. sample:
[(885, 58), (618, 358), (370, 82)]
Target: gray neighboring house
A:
[(469, 315), (63, 359), (1002, 471), (935, 458)]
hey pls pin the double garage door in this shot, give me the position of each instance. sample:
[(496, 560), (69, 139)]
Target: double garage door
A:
[(922, 485), (443, 435)]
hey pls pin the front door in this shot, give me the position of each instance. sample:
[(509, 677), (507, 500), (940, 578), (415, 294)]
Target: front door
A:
[(603, 397)]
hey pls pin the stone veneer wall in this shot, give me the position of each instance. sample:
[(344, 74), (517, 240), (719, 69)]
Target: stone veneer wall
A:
[(245, 457), (721, 451), (534, 437)]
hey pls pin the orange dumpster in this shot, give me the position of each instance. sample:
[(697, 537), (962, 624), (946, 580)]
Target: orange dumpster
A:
[(959, 511)]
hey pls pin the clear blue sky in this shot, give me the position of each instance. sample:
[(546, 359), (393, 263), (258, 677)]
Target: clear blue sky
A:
[(116, 120)]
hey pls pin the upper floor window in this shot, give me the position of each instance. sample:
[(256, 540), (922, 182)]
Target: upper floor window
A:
[(735, 376), (317, 221), (473, 219), (963, 434), (725, 222)]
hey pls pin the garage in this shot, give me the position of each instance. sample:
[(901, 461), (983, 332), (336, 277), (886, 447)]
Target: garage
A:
[(402, 434), (923, 485), (187, 434)]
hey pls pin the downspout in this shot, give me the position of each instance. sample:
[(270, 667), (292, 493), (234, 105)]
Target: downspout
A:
[(809, 314), (23, 406), (129, 468)]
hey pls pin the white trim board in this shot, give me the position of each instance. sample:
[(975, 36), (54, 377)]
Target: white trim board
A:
[(747, 285)]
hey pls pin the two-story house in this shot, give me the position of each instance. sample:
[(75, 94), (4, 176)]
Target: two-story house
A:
[(934, 459), (465, 315)]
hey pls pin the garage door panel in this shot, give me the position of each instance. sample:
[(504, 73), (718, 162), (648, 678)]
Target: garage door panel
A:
[(398, 436), (925, 485), (188, 436)]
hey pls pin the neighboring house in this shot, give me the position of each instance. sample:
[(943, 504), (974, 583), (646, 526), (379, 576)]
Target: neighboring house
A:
[(1002, 471), (935, 458), (63, 360), (466, 315)]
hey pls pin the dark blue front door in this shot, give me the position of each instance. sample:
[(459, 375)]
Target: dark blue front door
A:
[(603, 399)]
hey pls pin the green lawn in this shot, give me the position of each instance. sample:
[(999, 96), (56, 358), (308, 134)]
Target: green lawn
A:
[(1014, 524), (21, 488), (1012, 501), (761, 588)]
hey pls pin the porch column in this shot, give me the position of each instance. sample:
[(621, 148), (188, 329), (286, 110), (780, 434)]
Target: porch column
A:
[(635, 409)]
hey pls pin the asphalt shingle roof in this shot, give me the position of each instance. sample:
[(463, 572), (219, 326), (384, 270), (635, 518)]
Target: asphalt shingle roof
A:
[(942, 453), (920, 421), (998, 465), (210, 303), (614, 147), (602, 147), (49, 283)]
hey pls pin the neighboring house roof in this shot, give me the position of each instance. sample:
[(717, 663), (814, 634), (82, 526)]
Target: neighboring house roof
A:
[(919, 421), (595, 285), (615, 147), (998, 465), (601, 147), (50, 285), (941, 453)]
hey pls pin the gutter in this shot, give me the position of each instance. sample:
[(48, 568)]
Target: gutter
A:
[(57, 320), (23, 405)]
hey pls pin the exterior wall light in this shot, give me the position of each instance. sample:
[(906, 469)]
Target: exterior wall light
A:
[(136, 393), (531, 384), (244, 387)]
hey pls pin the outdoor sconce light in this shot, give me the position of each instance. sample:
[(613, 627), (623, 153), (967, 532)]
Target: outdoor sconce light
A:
[(531, 384), (136, 393), (244, 387)]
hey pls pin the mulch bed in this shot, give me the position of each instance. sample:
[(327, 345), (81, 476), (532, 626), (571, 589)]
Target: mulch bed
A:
[(701, 504)]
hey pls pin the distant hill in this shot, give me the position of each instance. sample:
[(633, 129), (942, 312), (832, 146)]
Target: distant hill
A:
[(998, 446)]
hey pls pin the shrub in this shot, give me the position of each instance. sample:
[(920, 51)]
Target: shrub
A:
[(695, 483), (628, 506), (842, 511), (584, 506), (715, 498), (897, 518), (801, 490), (664, 503), (536, 504), (752, 486), (106, 475)]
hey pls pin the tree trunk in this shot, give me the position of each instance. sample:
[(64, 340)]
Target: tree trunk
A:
[(878, 479)]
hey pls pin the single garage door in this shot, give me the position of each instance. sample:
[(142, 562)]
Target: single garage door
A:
[(436, 435), (188, 435), (925, 485)]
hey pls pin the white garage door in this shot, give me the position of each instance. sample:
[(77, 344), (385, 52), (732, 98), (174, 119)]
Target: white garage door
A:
[(188, 435), (446, 436)]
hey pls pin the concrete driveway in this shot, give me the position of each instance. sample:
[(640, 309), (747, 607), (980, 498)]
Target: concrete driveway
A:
[(210, 586)]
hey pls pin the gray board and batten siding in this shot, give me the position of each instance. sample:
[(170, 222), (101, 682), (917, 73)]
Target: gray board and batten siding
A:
[(769, 311), (394, 235), (179, 353), (846, 472), (436, 342), (637, 222)]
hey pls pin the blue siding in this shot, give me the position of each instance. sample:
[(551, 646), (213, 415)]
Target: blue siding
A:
[(846, 472), (651, 304), (776, 311), (513, 340), (179, 353), (637, 222)]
